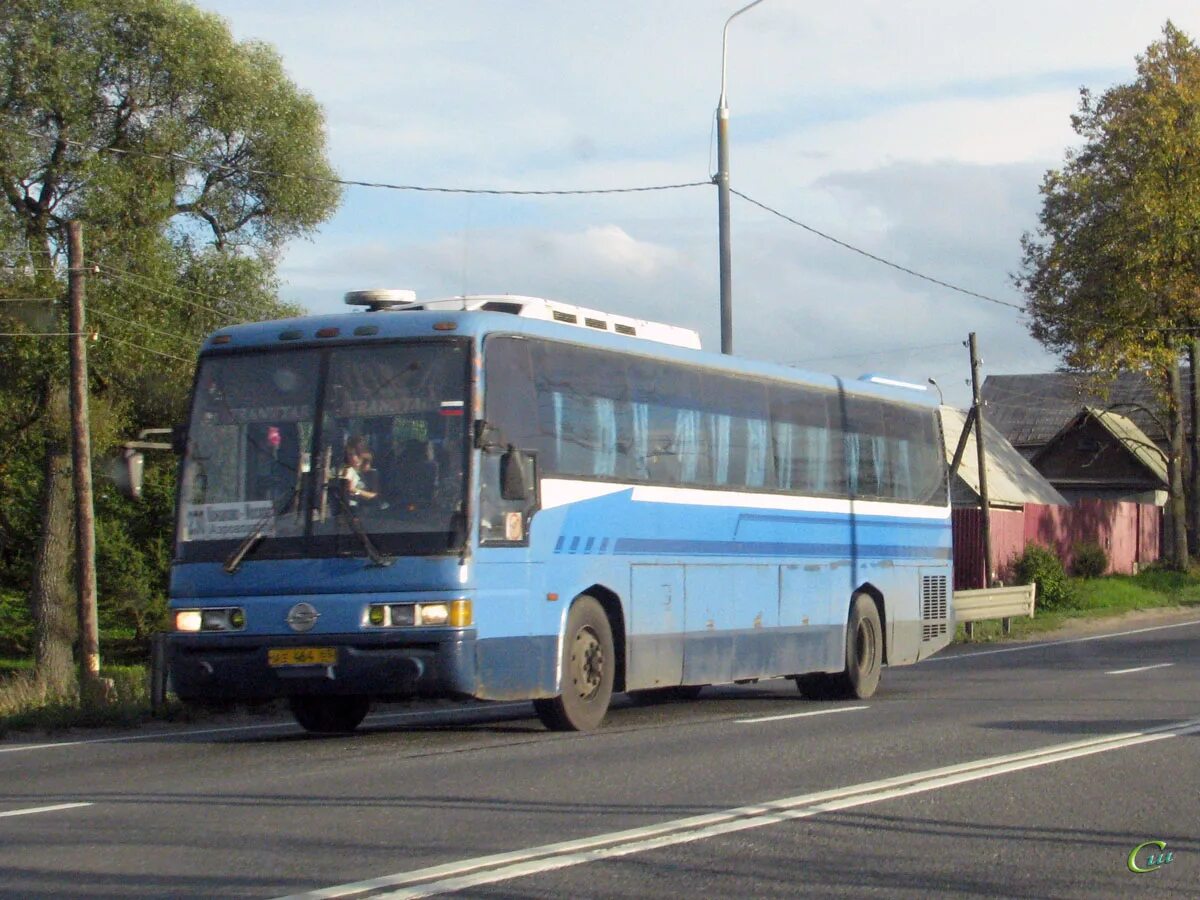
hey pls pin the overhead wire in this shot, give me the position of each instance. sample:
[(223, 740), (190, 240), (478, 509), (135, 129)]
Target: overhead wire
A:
[(345, 182), (875, 257), (109, 337), (109, 315)]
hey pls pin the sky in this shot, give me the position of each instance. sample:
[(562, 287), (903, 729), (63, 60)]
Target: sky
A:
[(918, 132)]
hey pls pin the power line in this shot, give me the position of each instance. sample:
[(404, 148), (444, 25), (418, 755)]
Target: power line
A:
[(46, 334), (221, 167), (879, 259), (115, 273), (28, 300), (143, 326), (109, 337)]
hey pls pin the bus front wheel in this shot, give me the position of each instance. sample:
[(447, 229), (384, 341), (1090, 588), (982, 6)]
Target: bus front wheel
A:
[(587, 671), (329, 715)]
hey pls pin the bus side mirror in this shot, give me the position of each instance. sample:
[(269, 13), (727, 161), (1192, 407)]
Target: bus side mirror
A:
[(516, 475), (179, 436), (130, 472)]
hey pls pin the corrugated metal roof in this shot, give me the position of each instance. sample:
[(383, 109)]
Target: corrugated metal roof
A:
[(1012, 481), (1031, 409)]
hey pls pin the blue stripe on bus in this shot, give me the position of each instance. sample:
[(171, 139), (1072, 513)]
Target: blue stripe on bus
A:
[(843, 519), (651, 546)]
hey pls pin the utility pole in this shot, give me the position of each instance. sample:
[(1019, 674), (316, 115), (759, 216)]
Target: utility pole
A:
[(81, 457), (722, 182), (977, 409)]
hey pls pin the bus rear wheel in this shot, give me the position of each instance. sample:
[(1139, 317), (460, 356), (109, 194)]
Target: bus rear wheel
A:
[(864, 652), (587, 671), (329, 715), (864, 659)]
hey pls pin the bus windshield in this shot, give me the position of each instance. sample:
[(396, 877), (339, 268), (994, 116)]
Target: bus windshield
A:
[(311, 448)]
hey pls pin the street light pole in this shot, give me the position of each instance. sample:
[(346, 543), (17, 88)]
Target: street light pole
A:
[(722, 181)]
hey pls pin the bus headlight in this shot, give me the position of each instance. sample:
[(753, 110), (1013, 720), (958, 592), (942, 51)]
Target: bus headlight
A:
[(224, 618), (455, 613)]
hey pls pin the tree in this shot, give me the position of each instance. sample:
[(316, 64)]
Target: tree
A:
[(191, 158), (1112, 276)]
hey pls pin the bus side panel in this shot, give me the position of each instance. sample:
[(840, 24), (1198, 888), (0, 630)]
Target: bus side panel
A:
[(756, 620), (812, 629), (513, 659), (656, 625), (708, 656)]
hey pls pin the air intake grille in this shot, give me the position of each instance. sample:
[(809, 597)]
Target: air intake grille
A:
[(560, 316), (933, 607), (625, 329)]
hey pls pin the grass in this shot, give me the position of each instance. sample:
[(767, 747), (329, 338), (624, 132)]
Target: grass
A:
[(1093, 598)]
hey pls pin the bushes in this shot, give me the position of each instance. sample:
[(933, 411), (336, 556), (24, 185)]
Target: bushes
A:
[(1090, 561), (1039, 565)]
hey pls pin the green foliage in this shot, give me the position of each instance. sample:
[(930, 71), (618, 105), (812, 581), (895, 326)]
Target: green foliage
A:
[(1090, 561), (1115, 266), (16, 626), (189, 158), (1041, 566)]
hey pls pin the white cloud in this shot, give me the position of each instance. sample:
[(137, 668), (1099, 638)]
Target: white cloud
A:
[(917, 131)]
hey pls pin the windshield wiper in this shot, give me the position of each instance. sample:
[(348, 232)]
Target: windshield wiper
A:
[(233, 562), (377, 558)]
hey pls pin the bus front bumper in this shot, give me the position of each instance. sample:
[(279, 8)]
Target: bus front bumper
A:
[(228, 667)]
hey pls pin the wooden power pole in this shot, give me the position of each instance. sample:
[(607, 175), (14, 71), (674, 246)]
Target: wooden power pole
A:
[(81, 457), (985, 504)]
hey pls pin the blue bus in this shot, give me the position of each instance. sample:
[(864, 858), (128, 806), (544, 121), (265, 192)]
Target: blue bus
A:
[(509, 498)]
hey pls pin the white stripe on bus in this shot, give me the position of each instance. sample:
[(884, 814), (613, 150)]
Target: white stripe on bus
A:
[(562, 491)]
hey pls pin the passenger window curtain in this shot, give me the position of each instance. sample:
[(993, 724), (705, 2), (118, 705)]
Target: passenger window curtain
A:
[(852, 445), (757, 446), (558, 426), (718, 441), (605, 455), (640, 413), (687, 444), (783, 454)]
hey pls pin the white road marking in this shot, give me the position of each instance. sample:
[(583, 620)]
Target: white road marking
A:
[(954, 657), (469, 873), (1139, 669), (41, 809), (499, 707), (817, 712)]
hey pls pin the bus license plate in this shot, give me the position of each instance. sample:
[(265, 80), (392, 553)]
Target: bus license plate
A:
[(301, 656)]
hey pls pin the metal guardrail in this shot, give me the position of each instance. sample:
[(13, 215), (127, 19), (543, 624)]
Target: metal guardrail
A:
[(994, 603)]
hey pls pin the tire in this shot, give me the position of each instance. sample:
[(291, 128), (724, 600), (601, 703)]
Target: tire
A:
[(329, 715), (652, 696), (817, 686), (864, 652), (588, 661)]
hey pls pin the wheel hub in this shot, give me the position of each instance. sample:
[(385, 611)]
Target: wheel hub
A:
[(587, 663)]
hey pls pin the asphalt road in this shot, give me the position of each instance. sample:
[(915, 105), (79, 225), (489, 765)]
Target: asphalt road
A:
[(1015, 770)]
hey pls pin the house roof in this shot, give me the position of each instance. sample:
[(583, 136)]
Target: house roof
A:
[(1124, 431), (1012, 481), (1031, 409)]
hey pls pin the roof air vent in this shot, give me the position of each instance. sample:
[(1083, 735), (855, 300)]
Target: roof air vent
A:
[(380, 298)]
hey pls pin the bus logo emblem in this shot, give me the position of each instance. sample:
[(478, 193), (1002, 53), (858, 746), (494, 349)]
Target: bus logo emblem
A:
[(302, 617)]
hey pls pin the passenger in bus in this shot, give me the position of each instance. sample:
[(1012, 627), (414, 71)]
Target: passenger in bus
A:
[(353, 484)]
